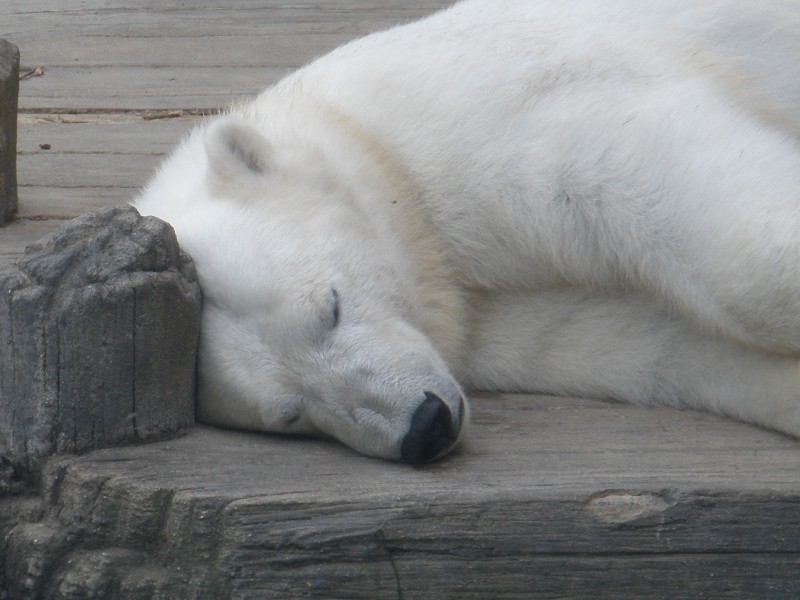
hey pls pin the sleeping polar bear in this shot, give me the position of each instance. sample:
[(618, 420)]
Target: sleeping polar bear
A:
[(589, 198)]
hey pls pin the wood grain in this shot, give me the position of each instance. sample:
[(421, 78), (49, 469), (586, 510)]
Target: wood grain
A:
[(109, 67), (550, 497)]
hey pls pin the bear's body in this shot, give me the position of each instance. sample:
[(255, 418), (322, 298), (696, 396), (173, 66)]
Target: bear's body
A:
[(592, 198)]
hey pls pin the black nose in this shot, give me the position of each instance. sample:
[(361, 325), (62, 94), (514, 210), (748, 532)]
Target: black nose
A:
[(432, 431)]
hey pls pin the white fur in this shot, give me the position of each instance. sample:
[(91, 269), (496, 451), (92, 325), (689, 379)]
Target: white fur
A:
[(584, 197)]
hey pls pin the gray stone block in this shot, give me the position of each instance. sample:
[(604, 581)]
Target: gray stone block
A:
[(9, 93), (98, 333)]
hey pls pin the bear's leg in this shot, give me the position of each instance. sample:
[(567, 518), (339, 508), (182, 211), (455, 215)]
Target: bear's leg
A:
[(625, 347)]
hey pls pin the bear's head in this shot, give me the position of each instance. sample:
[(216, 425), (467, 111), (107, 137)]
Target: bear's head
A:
[(314, 318)]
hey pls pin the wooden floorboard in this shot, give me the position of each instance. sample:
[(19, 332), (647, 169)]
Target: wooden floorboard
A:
[(16, 236), (230, 51), (141, 88), (114, 133), (98, 116)]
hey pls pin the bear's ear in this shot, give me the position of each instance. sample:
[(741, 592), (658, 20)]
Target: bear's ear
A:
[(236, 153)]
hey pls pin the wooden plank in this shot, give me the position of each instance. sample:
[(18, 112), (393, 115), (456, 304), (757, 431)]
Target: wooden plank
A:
[(551, 497), (48, 203), (96, 155), (91, 161), (9, 94), (545, 447), (38, 8), (147, 57), (90, 169), (37, 11), (17, 235), (632, 448), (395, 572), (119, 134), (144, 57), (101, 88), (240, 18), (219, 50)]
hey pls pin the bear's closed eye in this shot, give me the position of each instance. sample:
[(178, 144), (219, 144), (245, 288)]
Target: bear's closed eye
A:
[(335, 308)]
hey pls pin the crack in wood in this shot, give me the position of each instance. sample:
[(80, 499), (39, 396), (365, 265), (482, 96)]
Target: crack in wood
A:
[(390, 555), (82, 116)]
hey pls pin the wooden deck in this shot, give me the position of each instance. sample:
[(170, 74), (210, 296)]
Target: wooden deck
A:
[(550, 498), (122, 82)]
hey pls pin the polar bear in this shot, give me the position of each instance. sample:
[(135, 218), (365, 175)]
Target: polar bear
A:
[(585, 198)]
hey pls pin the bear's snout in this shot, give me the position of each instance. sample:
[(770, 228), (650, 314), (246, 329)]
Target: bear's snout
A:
[(433, 430)]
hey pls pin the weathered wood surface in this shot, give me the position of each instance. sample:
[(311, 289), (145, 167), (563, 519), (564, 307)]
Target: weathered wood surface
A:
[(550, 497), (9, 91), (114, 75), (99, 327)]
